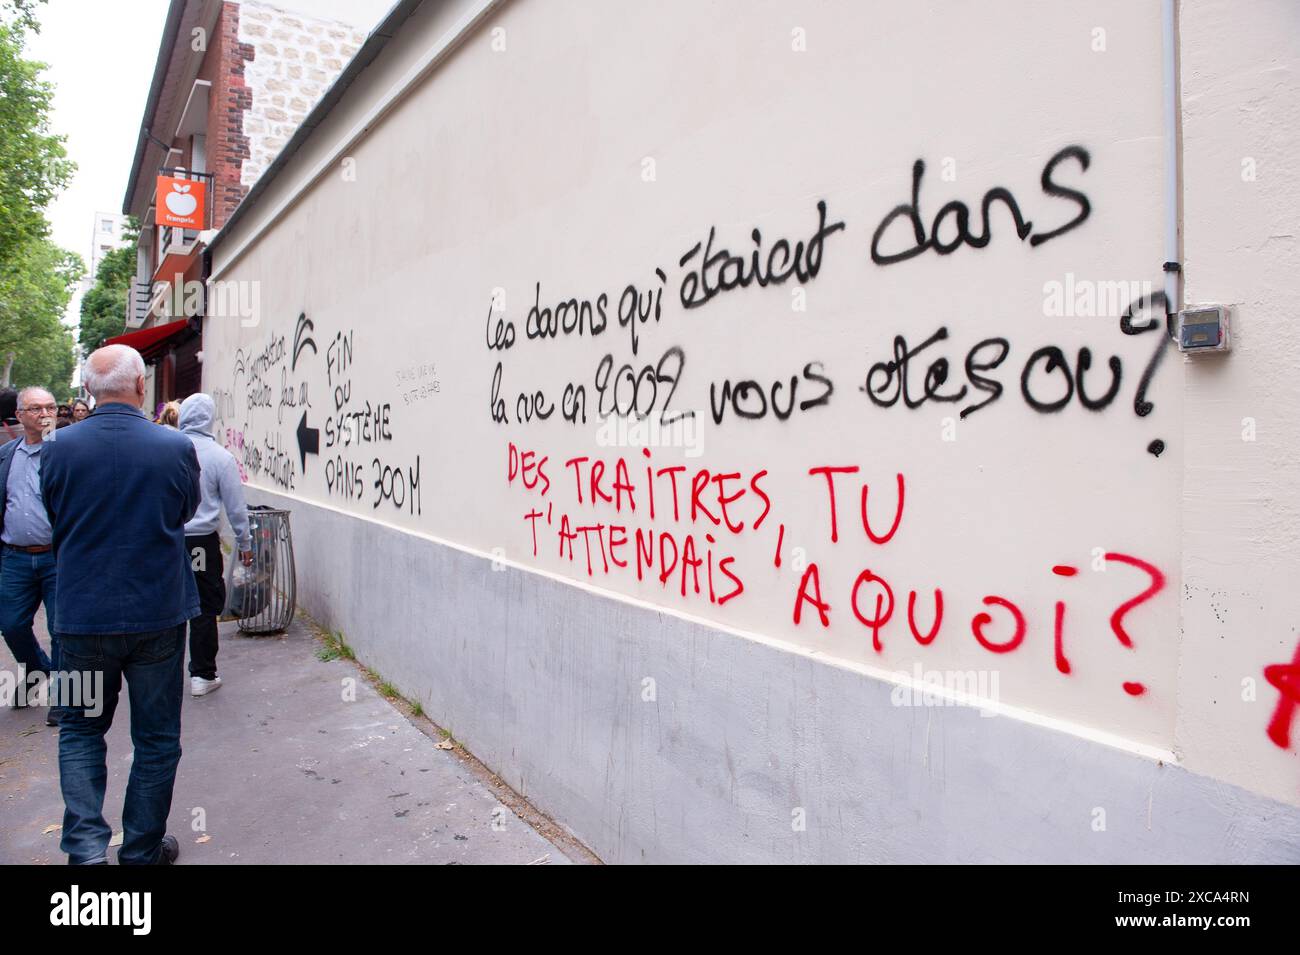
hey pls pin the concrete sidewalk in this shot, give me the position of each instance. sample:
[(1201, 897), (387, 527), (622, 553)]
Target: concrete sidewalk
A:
[(279, 768)]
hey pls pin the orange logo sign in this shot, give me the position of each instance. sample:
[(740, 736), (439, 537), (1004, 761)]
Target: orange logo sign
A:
[(180, 202)]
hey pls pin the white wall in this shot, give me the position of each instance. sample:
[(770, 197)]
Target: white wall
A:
[(1241, 525), (583, 147), (747, 753)]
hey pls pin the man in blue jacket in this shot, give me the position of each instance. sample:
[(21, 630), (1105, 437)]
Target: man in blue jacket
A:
[(118, 490)]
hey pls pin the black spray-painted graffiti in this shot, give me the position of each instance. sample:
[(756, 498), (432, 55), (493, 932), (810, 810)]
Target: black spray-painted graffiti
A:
[(721, 271), (634, 389), (749, 399), (355, 424), (889, 381), (959, 214), (303, 337), (352, 423), (1050, 378)]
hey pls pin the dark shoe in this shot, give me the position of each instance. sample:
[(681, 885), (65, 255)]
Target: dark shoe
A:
[(171, 850), (52, 717)]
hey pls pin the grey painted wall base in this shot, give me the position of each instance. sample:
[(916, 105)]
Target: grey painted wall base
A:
[(543, 682)]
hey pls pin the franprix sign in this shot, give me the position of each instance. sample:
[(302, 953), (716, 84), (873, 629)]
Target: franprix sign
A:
[(180, 202)]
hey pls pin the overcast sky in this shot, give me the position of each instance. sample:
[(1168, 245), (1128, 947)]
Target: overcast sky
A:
[(101, 56)]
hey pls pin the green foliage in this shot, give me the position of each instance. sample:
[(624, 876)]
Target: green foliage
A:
[(103, 307), (36, 276), (20, 14), (34, 291), (334, 647), (33, 162)]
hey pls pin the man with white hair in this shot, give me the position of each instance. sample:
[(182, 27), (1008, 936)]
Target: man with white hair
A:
[(119, 490), (27, 572)]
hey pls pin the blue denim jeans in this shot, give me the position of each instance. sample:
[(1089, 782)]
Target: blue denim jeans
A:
[(153, 666), (27, 581)]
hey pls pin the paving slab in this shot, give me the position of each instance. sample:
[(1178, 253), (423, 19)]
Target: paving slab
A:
[(281, 765)]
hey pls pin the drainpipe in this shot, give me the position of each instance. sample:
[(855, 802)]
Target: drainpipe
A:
[(1173, 244)]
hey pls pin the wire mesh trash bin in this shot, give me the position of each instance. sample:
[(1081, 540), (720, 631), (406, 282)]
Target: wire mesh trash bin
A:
[(264, 595)]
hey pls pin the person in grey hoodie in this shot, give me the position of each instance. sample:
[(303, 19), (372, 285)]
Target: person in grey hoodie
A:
[(221, 487)]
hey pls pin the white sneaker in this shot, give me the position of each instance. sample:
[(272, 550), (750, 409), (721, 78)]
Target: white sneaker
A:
[(202, 687)]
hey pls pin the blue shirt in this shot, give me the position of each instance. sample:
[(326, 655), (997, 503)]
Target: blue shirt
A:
[(26, 523)]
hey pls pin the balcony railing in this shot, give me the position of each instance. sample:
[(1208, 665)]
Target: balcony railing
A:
[(138, 295), (160, 300), (173, 240)]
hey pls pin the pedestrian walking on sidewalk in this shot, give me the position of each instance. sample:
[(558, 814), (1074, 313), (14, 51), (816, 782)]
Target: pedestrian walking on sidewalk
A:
[(27, 571), (221, 487), (119, 491)]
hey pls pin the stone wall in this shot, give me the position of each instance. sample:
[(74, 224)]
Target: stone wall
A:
[(227, 146), (295, 60)]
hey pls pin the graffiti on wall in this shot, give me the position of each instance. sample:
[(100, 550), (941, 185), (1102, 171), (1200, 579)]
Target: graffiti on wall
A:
[(354, 453), (1285, 678), (681, 527), (820, 540)]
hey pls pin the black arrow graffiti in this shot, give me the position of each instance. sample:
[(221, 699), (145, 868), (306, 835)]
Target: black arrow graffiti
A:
[(308, 441)]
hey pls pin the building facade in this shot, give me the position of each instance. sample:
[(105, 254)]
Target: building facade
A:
[(762, 431), (106, 236), (231, 84)]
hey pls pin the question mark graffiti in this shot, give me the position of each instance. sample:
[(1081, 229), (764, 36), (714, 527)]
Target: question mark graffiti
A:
[(1117, 618), (1142, 407)]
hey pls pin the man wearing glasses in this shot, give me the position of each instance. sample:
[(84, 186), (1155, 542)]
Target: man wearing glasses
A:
[(27, 563)]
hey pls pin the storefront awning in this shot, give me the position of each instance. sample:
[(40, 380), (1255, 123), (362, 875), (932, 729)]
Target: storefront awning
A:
[(152, 342)]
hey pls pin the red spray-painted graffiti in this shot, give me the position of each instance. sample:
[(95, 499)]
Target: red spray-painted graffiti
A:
[(712, 502), (718, 506), (810, 590), (1286, 677), (235, 445)]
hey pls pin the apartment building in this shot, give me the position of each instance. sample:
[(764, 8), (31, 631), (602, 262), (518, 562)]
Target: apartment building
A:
[(232, 82)]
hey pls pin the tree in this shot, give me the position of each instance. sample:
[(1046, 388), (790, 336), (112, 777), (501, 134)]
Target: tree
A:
[(22, 14), (35, 347), (36, 276), (103, 308), (33, 162)]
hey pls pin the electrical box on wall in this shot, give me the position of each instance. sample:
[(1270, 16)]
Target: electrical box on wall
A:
[(1202, 329)]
